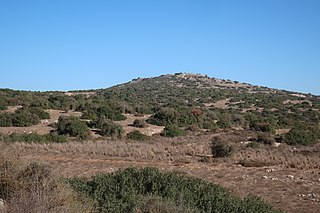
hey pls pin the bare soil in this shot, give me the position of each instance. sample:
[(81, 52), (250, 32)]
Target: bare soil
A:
[(148, 130)]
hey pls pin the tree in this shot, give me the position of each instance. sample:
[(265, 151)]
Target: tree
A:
[(164, 116), (111, 129), (73, 127)]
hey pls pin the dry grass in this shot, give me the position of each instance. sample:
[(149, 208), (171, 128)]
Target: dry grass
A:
[(34, 188), (292, 174)]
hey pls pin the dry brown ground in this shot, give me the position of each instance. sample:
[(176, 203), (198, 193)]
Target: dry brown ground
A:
[(291, 182), (148, 130)]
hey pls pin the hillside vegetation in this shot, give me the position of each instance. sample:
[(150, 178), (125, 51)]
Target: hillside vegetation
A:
[(180, 121)]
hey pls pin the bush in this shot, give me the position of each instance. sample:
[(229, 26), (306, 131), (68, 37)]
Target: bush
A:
[(253, 145), (36, 111), (164, 116), (24, 118), (265, 138), (173, 131), (210, 125), (221, 148), (225, 121), (125, 190), (73, 127), (33, 188), (139, 123), (137, 135), (5, 120), (262, 126), (302, 134), (110, 113), (33, 138), (111, 129)]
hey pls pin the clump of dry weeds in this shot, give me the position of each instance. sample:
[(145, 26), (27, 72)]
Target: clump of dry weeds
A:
[(34, 188)]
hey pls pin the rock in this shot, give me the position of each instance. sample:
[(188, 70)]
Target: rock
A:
[(290, 177), (270, 170), (264, 177)]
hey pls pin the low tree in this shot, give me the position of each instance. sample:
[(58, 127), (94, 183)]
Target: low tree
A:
[(111, 129), (73, 127)]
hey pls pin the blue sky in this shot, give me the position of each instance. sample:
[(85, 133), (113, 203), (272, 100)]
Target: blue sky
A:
[(83, 44)]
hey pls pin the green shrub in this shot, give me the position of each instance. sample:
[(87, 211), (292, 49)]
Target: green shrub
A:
[(24, 118), (253, 145), (210, 125), (36, 111), (125, 190), (220, 147), (164, 116), (139, 123), (110, 113), (225, 121), (137, 135), (5, 120), (173, 130), (111, 129), (265, 138), (33, 138), (193, 127), (73, 127), (302, 134)]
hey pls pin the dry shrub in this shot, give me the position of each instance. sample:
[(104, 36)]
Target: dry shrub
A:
[(34, 188), (220, 147)]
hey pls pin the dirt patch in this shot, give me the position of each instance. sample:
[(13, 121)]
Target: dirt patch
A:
[(296, 102), (11, 109), (87, 94), (222, 104), (148, 130)]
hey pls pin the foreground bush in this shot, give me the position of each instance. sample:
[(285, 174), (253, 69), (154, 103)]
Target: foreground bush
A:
[(33, 188), (127, 191)]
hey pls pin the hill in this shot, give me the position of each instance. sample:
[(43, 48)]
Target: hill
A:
[(250, 139)]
